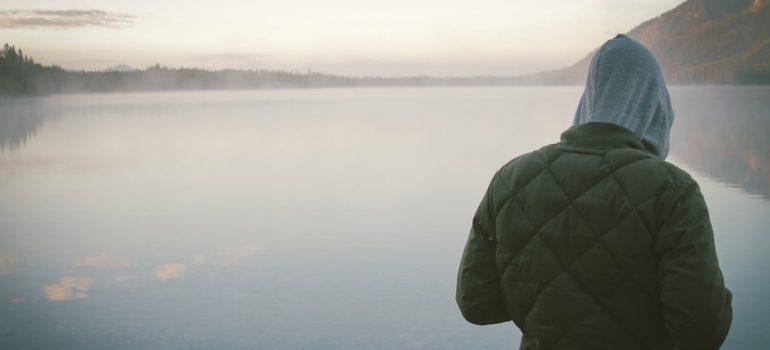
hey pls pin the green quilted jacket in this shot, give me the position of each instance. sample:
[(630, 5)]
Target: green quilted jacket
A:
[(593, 243)]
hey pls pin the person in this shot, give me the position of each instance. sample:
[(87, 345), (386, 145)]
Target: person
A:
[(596, 242)]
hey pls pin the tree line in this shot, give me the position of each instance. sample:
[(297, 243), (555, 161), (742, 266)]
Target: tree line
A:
[(21, 75)]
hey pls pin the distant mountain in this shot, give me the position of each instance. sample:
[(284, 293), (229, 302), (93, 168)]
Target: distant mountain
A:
[(698, 42), (119, 68)]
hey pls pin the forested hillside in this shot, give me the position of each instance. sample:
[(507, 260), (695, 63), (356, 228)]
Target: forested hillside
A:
[(699, 42)]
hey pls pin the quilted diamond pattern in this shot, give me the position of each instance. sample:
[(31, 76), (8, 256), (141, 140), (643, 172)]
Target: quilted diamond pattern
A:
[(592, 243), (588, 265)]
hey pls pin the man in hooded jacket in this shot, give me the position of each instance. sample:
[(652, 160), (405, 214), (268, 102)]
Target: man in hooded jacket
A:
[(596, 242)]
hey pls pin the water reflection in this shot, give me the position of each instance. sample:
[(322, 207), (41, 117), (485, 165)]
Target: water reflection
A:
[(169, 271), (104, 261), (306, 219), (20, 119), (725, 132), (121, 278), (6, 265), (68, 288), (226, 257), (721, 131)]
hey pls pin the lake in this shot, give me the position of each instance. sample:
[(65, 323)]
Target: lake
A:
[(309, 219)]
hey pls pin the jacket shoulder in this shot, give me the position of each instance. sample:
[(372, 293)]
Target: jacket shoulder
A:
[(640, 174), (519, 171), (680, 179)]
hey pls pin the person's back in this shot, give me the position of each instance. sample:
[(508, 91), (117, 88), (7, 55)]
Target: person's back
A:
[(596, 242)]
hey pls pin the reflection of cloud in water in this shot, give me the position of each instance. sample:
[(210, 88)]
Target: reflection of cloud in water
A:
[(69, 287), (6, 264), (168, 271), (226, 257)]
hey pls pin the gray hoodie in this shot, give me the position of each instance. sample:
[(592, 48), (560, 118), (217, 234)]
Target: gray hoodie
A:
[(625, 86)]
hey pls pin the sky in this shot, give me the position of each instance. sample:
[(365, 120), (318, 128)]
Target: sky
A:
[(348, 37)]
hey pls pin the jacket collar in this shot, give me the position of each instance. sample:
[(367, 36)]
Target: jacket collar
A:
[(601, 135)]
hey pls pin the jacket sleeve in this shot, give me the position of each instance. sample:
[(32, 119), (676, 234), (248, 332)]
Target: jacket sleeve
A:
[(696, 305), (478, 286)]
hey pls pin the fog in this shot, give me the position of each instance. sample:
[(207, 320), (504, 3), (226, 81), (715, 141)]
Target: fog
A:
[(308, 218), (352, 38)]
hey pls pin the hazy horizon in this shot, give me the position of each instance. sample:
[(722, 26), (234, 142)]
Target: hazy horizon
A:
[(353, 38)]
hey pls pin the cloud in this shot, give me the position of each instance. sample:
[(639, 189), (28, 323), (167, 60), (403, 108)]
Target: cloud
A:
[(6, 265), (64, 19), (168, 271), (67, 288), (228, 57)]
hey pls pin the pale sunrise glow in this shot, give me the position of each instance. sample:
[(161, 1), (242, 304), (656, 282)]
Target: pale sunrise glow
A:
[(350, 37)]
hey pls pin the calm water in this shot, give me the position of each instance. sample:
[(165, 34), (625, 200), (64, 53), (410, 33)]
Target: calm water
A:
[(308, 219)]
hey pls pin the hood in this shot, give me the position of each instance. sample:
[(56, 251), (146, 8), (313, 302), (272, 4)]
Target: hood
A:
[(625, 87)]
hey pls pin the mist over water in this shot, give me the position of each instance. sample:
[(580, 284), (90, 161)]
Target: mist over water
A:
[(322, 219)]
